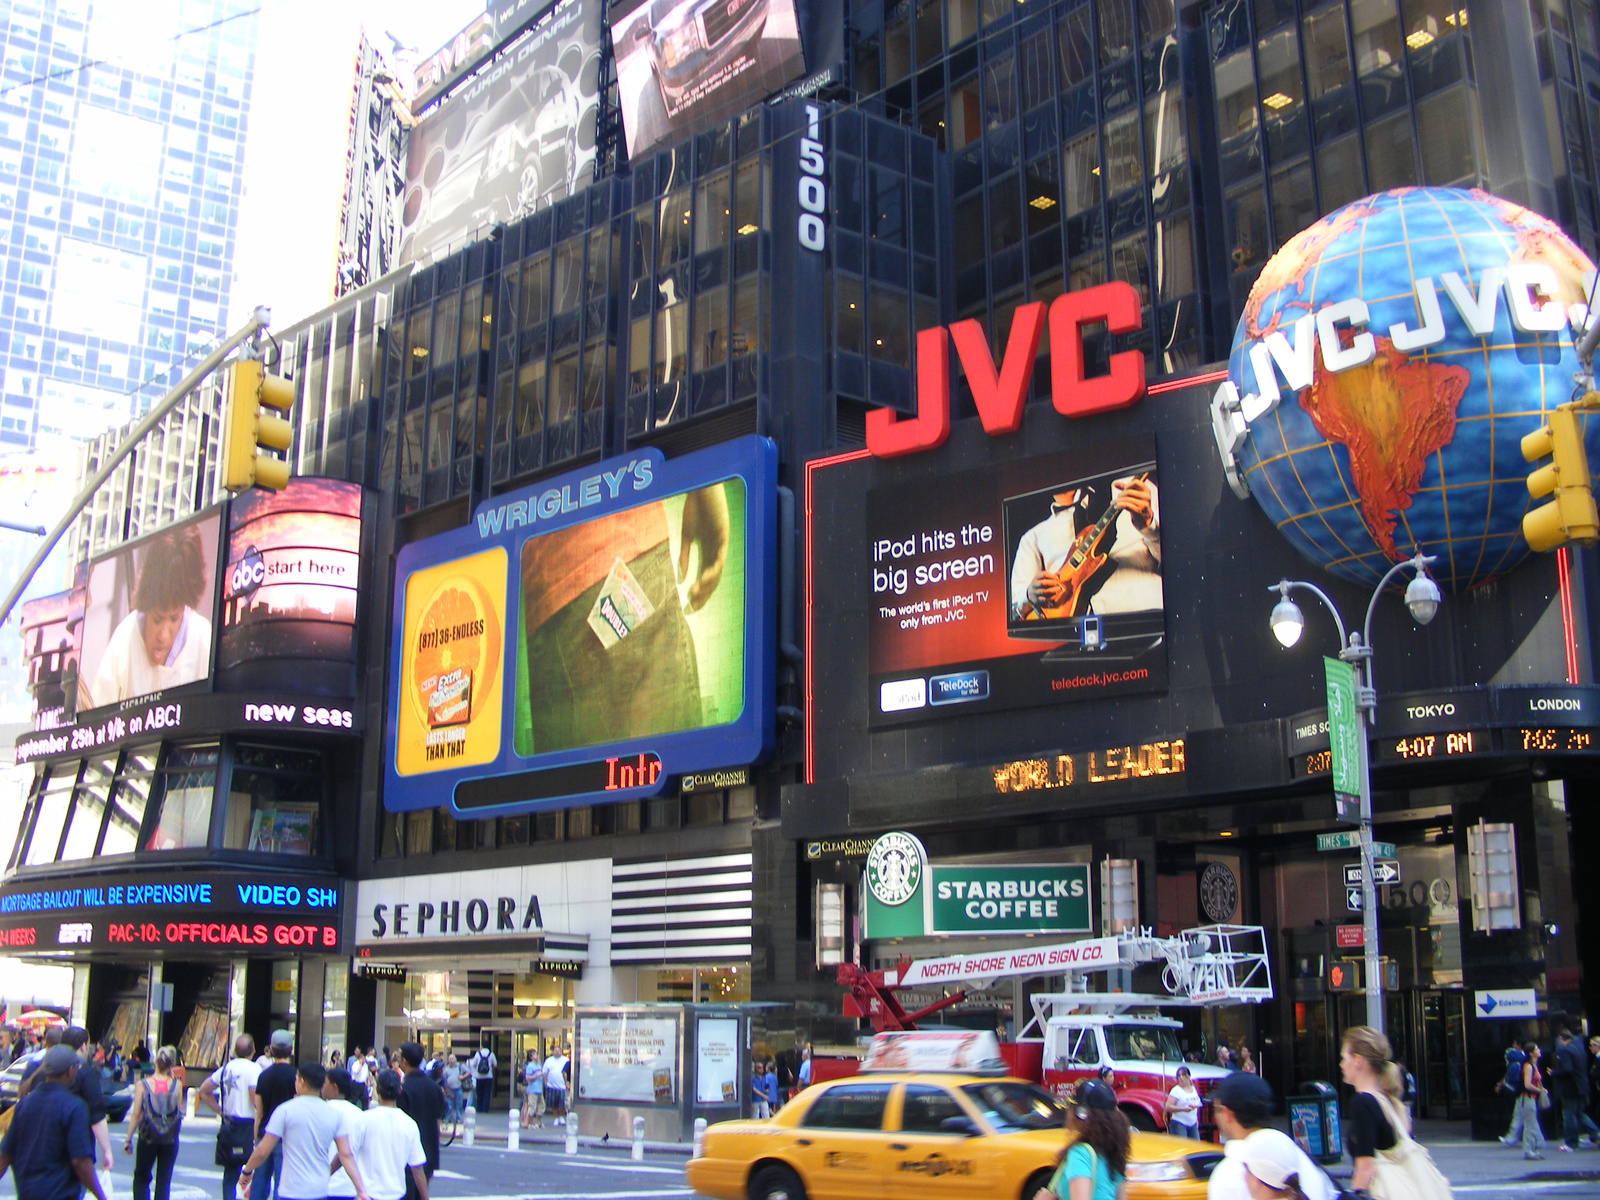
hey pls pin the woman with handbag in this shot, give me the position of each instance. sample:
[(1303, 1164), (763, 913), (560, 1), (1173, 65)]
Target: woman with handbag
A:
[(1094, 1166), (1389, 1165), (154, 1119), (1532, 1098)]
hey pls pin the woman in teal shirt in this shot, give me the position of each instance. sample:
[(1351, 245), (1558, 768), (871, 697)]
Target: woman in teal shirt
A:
[(1095, 1165)]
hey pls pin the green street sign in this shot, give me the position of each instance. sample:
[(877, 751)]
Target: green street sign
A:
[(1011, 899), (1344, 726), (1350, 839)]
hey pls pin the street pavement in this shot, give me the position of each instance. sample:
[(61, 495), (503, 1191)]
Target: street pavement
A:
[(487, 1171)]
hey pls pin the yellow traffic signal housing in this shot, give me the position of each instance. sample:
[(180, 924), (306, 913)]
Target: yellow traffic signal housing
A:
[(1571, 516), (246, 428)]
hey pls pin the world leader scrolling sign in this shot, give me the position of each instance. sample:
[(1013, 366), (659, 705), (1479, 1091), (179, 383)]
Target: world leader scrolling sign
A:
[(589, 638), (1344, 738)]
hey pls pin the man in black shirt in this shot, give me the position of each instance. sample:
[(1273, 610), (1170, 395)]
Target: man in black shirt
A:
[(49, 1142), (1570, 1083), (274, 1086), (422, 1100), (89, 1086)]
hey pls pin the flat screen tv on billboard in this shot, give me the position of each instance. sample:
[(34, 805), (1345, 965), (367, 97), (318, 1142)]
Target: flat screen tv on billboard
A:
[(686, 64), (517, 136), (1030, 582), (588, 638), (149, 613), (289, 588)]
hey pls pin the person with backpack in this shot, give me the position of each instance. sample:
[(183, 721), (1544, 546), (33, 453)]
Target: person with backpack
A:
[(483, 1065), (154, 1119), (1510, 1086)]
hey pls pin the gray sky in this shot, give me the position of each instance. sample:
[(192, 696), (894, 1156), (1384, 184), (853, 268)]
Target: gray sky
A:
[(299, 123)]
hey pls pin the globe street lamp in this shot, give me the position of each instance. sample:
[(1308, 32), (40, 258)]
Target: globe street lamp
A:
[(1288, 623)]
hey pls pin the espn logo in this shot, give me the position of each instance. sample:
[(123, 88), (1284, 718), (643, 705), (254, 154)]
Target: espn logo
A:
[(75, 933)]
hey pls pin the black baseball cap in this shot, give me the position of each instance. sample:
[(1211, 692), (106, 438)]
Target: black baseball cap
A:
[(1092, 1093), (1249, 1096)]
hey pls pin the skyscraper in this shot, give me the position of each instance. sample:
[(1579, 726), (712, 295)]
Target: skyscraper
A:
[(121, 147)]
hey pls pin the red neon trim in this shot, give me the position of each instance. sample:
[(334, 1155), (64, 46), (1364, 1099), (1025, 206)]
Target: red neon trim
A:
[(1172, 385), (1568, 632), (812, 466)]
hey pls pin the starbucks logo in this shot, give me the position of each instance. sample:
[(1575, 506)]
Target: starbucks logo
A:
[(1219, 892), (894, 868)]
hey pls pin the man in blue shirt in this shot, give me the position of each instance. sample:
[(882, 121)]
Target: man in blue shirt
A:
[(48, 1142)]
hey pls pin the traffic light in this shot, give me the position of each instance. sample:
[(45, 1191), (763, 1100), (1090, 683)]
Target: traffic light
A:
[(245, 428), (1571, 516)]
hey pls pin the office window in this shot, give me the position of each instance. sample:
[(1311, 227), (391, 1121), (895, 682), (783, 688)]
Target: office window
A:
[(1075, 45), (275, 801), (1282, 98), (1164, 138), (49, 813), (89, 809), (999, 92), (850, 314), (1157, 18), (1130, 262), (566, 287), (446, 311), (535, 294), (1339, 173), (1174, 266), (714, 202), (1080, 174), (1248, 242), (639, 355), (896, 52), (185, 785), (966, 115), (674, 245), (1293, 204), (930, 31), (1124, 166), (1115, 19), (672, 342), (889, 328), (1236, 96), (128, 800), (710, 328), (1391, 162), (1446, 128), (963, 16)]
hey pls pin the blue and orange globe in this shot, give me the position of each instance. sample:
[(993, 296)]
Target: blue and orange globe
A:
[(1411, 451)]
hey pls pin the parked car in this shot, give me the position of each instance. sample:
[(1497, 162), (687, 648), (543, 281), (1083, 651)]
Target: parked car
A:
[(119, 1098)]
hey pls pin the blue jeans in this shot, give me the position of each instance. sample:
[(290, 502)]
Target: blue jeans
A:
[(264, 1183), (1574, 1119), (1174, 1129), (452, 1104)]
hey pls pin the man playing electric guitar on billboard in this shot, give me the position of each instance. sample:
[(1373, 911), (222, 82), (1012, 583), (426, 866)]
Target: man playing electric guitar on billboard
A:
[(1072, 563)]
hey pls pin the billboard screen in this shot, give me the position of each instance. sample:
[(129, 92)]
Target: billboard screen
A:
[(289, 590), (686, 64), (52, 627), (485, 34), (591, 637), (148, 615), (515, 138), (1029, 582)]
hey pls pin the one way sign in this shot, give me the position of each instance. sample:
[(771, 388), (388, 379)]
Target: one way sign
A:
[(1352, 898), (1384, 871), (1507, 1002)]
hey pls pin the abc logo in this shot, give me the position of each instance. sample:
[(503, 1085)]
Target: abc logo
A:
[(247, 574)]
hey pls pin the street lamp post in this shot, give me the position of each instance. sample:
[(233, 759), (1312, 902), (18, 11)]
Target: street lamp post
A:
[(1288, 622)]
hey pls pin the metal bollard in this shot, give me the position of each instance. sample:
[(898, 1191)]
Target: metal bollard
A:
[(638, 1139), (572, 1132), (699, 1136), (194, 1100), (513, 1130), (469, 1122)]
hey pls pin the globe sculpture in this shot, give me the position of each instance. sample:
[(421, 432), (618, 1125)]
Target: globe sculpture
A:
[(1417, 448)]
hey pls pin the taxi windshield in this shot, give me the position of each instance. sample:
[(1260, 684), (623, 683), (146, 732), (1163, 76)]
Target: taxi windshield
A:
[(1012, 1107), (1142, 1043)]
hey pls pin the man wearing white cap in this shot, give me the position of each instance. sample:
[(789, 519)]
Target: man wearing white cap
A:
[(1240, 1106), (1272, 1168)]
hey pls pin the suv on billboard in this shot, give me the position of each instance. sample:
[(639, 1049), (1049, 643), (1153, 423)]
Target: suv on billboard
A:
[(693, 42)]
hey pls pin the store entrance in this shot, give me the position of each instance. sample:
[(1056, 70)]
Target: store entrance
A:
[(510, 1044), (1427, 1031)]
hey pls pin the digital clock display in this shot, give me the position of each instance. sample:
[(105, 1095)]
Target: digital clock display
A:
[(1317, 762), (1435, 745), (1557, 741)]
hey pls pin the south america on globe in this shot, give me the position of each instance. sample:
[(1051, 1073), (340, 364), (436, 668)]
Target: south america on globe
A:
[(1387, 364)]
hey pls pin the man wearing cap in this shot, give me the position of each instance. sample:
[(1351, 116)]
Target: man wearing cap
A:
[(49, 1142), (1240, 1106), (87, 1087), (274, 1087), (1273, 1165)]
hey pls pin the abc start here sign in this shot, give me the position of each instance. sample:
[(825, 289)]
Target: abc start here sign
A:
[(449, 714)]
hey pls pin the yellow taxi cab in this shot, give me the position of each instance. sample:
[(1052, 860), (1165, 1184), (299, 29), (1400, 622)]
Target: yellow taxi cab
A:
[(922, 1136)]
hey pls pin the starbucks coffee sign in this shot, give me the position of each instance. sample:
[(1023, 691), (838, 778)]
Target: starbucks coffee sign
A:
[(905, 896)]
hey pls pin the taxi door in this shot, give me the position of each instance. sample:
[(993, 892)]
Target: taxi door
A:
[(838, 1146), (927, 1162)]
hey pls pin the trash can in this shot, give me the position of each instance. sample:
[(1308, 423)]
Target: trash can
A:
[(1314, 1121)]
